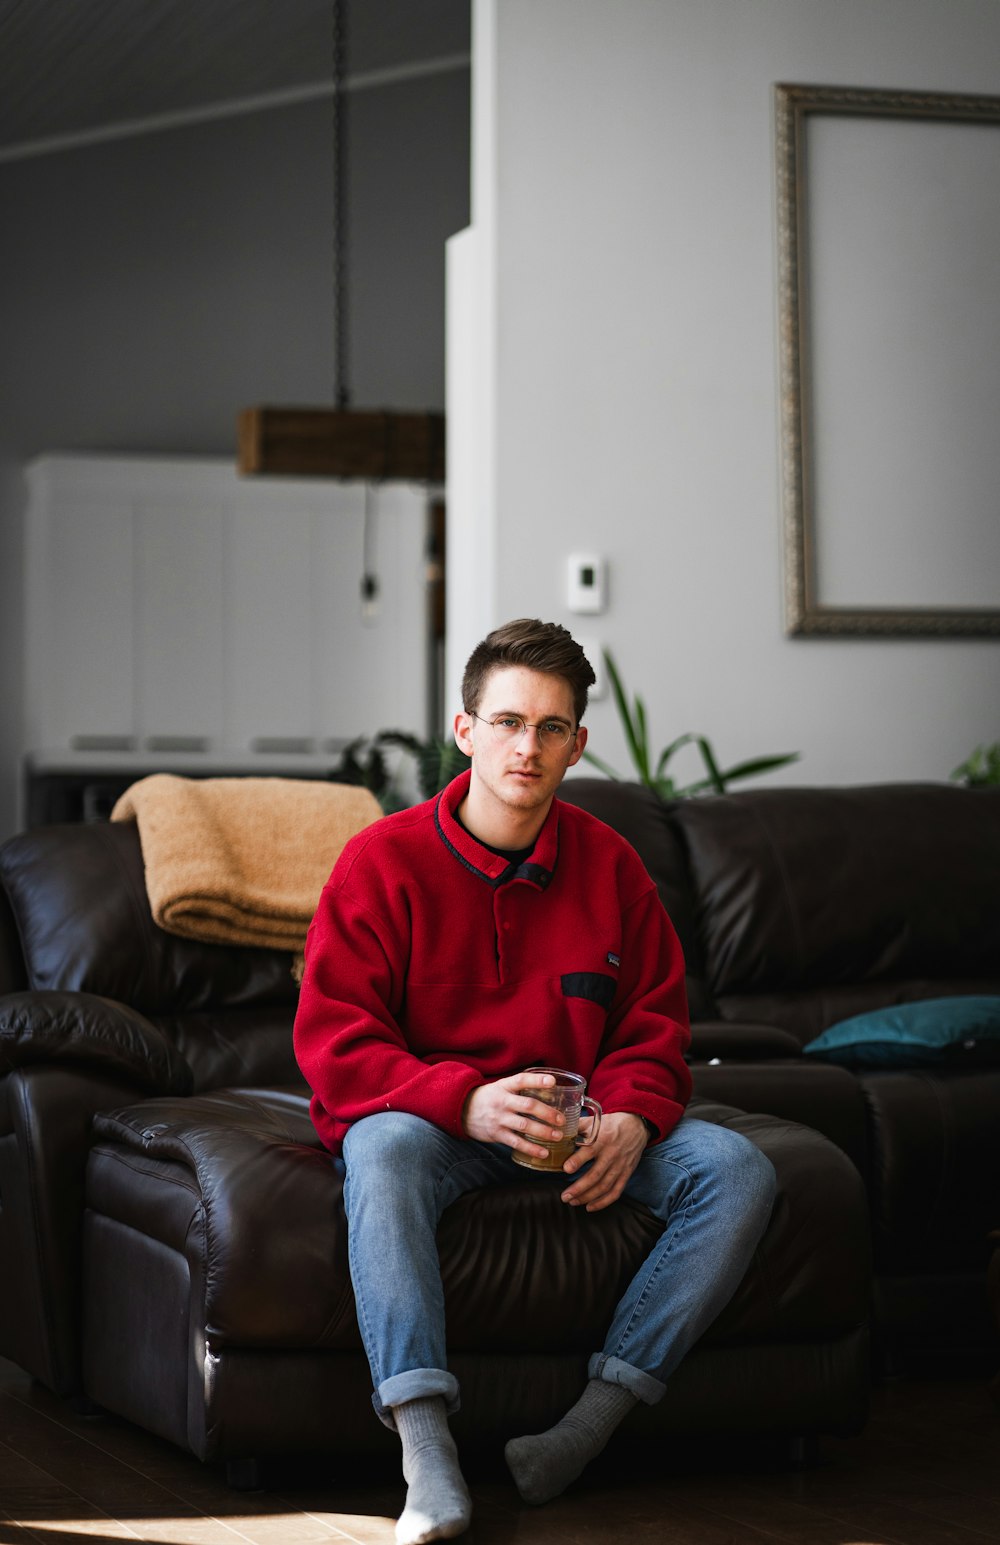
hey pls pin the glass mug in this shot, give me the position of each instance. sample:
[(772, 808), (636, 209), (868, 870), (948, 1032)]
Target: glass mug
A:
[(567, 1095)]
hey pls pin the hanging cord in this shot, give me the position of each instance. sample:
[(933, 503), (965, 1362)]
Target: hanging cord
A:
[(341, 311), (339, 137), (369, 576)]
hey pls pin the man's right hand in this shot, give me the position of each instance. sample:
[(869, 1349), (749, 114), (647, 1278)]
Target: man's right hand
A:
[(502, 1112)]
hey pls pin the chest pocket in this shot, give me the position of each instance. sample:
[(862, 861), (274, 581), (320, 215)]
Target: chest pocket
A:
[(593, 985)]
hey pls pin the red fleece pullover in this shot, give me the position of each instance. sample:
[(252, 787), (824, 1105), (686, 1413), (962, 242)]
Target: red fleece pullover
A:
[(434, 966)]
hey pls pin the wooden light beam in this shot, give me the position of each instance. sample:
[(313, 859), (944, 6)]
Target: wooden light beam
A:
[(334, 442)]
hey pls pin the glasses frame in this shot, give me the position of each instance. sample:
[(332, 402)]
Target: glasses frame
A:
[(512, 740)]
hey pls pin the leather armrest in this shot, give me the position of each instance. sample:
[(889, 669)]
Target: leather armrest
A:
[(818, 1095), (79, 1027), (819, 1227), (725, 1039), (270, 1246)]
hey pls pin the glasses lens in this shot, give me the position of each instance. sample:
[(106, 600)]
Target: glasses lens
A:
[(508, 728), (550, 732)]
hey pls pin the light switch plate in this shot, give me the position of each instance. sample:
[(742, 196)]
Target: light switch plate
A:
[(586, 583)]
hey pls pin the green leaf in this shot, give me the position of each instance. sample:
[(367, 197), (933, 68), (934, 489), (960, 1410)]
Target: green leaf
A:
[(642, 740), (707, 756), (624, 714), (588, 756), (761, 764), (635, 726), (981, 770), (669, 751)]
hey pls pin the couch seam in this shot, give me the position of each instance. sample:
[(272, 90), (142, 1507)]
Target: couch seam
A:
[(785, 886)]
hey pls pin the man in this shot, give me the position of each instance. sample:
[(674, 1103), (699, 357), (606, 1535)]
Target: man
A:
[(456, 944)]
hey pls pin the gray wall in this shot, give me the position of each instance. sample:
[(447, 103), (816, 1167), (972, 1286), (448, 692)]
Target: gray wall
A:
[(150, 287), (624, 224)]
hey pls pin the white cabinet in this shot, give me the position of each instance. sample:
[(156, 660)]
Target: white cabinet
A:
[(173, 607)]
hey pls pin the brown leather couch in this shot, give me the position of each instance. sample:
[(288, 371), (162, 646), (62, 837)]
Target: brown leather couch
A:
[(173, 1237)]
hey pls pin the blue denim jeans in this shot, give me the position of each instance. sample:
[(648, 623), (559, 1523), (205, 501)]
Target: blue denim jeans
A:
[(711, 1187)]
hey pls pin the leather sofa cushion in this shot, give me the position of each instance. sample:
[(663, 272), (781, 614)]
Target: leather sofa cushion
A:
[(643, 819), (716, 1040), (798, 889), (78, 896), (235, 1045), (79, 1028), (805, 1015), (828, 1099)]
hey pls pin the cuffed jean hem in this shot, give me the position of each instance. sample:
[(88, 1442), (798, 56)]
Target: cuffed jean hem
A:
[(613, 1371), (414, 1384)]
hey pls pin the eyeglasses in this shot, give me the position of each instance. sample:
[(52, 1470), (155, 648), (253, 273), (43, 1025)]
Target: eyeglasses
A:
[(508, 728)]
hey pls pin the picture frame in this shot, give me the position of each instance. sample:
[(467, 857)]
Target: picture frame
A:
[(888, 250)]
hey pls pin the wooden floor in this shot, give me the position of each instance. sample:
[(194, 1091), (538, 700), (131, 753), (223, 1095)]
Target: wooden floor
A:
[(925, 1472)]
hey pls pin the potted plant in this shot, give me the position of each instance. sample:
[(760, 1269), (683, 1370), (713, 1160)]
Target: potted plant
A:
[(436, 761), (652, 769)]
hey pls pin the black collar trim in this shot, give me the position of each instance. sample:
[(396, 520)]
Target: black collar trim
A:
[(535, 874), (490, 881)]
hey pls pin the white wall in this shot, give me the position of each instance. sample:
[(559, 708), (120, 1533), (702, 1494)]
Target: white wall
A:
[(624, 187)]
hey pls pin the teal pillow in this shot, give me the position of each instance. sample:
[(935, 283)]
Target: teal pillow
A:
[(935, 1031)]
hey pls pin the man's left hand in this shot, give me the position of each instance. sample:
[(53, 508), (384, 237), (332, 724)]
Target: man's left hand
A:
[(612, 1159)]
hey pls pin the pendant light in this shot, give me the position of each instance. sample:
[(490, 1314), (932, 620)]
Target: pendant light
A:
[(343, 442)]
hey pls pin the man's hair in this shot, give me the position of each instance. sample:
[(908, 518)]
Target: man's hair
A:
[(538, 646)]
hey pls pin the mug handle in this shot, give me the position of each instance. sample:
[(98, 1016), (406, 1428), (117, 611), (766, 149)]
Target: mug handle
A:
[(595, 1124)]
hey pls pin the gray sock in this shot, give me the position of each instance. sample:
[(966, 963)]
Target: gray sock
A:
[(544, 1465), (438, 1505)]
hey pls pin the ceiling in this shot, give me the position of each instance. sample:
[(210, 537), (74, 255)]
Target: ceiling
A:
[(70, 67)]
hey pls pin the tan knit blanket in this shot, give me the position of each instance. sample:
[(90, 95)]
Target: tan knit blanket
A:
[(241, 860)]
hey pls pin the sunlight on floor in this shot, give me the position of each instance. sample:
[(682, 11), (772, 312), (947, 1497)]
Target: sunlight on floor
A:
[(303, 1528)]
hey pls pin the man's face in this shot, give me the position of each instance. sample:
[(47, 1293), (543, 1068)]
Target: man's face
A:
[(524, 773)]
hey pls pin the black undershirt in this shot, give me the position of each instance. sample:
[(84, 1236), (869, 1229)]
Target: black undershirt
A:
[(512, 855)]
